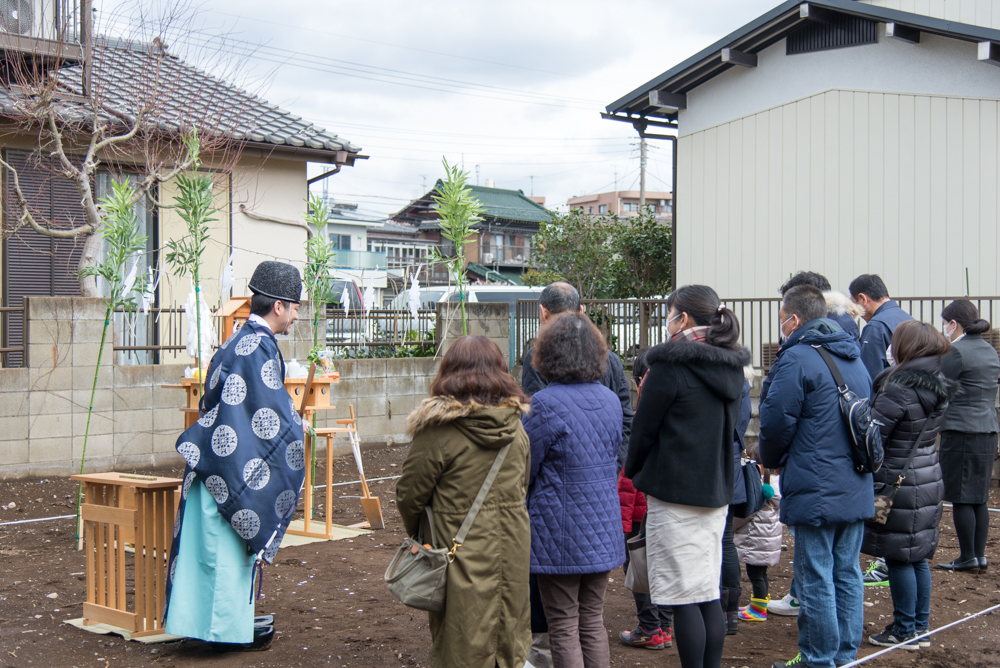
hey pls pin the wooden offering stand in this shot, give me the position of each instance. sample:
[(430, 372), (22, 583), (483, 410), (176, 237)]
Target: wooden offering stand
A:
[(114, 514)]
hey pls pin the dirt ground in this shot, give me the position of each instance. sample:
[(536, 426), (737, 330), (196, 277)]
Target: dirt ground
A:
[(332, 607)]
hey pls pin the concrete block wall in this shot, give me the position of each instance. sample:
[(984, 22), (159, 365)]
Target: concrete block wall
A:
[(491, 320), (136, 422)]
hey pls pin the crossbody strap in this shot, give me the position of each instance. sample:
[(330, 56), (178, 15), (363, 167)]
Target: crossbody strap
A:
[(909, 460), (463, 531), (837, 377)]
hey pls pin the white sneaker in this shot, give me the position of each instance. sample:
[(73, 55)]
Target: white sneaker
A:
[(787, 607)]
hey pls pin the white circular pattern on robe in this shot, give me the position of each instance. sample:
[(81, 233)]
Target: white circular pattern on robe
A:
[(246, 522), (208, 419), (188, 479), (247, 345), (256, 473), (265, 423), (173, 569), (295, 456), (271, 551), (295, 413), (190, 452), (215, 377), (270, 375), (224, 440), (284, 503), (234, 390), (218, 488)]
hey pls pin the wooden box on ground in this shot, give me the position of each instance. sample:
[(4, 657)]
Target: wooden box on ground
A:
[(109, 520)]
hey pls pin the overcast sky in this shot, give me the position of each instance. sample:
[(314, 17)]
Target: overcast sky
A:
[(515, 87)]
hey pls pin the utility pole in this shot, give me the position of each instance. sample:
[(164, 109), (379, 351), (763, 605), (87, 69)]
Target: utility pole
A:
[(642, 173)]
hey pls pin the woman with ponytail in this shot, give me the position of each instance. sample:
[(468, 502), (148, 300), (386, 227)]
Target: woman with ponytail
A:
[(681, 455), (969, 434)]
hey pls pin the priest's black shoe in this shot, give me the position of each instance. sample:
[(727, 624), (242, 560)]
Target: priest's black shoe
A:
[(262, 637), (265, 620), (971, 565)]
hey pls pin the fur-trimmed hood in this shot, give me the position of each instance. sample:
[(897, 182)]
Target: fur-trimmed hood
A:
[(720, 369), (487, 426), (922, 375), (840, 304)]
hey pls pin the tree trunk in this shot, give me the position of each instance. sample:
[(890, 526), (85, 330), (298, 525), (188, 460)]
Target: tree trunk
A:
[(89, 258)]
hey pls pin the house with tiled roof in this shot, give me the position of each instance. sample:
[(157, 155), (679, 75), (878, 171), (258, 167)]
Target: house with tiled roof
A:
[(502, 241), (259, 159)]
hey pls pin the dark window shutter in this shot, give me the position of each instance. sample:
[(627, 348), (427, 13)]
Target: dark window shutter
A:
[(35, 264)]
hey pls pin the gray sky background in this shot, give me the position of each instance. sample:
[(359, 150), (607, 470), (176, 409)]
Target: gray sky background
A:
[(515, 87)]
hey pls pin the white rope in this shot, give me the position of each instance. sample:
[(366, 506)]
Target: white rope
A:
[(356, 482), (919, 638), (40, 519)]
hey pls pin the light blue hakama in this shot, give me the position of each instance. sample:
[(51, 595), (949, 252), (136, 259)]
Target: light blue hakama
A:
[(212, 584)]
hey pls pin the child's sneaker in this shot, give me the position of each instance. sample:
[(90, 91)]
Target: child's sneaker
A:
[(923, 642), (797, 662), (639, 637), (667, 639), (786, 607), (756, 611), (888, 638), (877, 574)]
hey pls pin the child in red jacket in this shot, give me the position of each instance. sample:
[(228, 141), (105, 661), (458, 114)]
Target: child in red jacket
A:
[(655, 622)]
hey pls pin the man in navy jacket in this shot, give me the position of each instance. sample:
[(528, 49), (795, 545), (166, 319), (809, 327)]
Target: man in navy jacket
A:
[(803, 432), (882, 314)]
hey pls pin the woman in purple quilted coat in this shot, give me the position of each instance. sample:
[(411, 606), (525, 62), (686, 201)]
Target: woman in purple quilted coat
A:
[(575, 428)]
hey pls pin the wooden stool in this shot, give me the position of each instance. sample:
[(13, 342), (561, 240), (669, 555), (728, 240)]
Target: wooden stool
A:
[(108, 524)]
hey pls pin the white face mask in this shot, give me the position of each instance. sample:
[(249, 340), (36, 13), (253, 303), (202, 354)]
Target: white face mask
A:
[(781, 330), (672, 319), (944, 329)]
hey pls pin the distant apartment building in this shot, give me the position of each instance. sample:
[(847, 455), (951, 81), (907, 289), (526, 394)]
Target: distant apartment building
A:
[(625, 203)]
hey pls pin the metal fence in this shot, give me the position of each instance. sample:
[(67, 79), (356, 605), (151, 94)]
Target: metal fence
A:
[(149, 338), (632, 324), (16, 355), (380, 327)]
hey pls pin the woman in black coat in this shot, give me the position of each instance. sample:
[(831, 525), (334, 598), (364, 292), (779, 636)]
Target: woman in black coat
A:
[(911, 398)]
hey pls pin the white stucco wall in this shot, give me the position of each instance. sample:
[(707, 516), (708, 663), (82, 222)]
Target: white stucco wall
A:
[(936, 66), (984, 13)]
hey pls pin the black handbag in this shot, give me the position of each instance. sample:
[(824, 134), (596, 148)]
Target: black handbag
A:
[(755, 491)]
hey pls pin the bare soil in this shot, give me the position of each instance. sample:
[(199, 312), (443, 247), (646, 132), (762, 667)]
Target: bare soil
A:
[(332, 607)]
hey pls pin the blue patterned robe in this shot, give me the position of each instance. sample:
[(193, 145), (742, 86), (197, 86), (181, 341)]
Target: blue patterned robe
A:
[(247, 448)]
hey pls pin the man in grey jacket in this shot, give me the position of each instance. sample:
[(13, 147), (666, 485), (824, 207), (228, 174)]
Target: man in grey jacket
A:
[(560, 298)]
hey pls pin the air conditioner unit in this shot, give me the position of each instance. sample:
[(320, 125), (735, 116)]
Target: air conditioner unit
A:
[(488, 258), (28, 17)]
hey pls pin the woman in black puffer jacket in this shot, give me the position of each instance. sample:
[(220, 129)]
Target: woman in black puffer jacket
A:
[(911, 397)]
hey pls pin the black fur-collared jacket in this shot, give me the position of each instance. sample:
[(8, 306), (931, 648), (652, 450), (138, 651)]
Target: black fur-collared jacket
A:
[(907, 397), (681, 447)]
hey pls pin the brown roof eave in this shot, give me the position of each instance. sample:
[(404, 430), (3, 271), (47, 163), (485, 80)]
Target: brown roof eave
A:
[(341, 157)]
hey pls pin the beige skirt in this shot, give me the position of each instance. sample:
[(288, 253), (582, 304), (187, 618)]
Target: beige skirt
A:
[(683, 552)]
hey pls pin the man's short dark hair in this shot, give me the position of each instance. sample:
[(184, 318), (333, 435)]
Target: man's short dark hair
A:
[(806, 278), (559, 298), (261, 305), (870, 285), (805, 301)]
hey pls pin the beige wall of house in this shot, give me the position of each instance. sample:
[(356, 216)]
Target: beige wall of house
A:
[(845, 182), (623, 202), (984, 13)]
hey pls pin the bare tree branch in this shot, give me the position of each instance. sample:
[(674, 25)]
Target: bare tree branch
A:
[(27, 218)]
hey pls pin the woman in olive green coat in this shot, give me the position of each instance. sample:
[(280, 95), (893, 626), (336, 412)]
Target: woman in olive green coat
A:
[(474, 410)]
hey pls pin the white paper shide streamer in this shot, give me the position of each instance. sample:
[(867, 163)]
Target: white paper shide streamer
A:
[(227, 279), (148, 296), (207, 331), (369, 298), (345, 299), (414, 296)]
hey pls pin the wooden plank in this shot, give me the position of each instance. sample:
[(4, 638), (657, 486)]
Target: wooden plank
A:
[(149, 560), (108, 515), (105, 615), (100, 544), (120, 567), (328, 511), (112, 574), (161, 542), (307, 487), (88, 544), (140, 541)]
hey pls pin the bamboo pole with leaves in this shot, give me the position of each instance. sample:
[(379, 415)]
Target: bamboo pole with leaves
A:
[(194, 204), (121, 232), (319, 286), (459, 212)]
